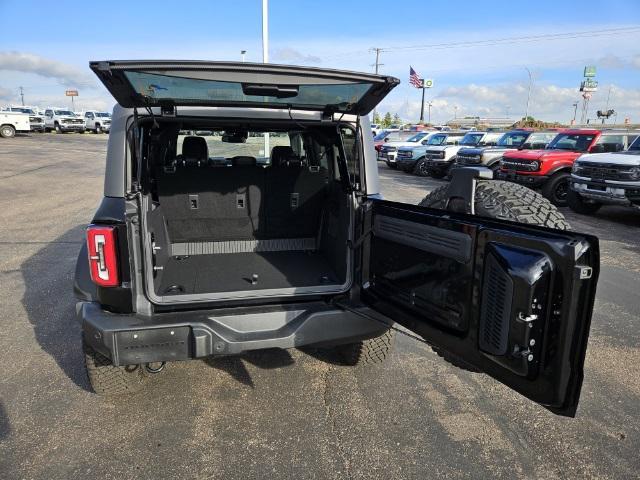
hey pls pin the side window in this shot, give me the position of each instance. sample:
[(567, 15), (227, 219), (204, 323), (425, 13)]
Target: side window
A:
[(350, 144)]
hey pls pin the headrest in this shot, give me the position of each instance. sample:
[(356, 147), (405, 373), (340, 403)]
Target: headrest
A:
[(195, 148), (243, 161), (281, 155)]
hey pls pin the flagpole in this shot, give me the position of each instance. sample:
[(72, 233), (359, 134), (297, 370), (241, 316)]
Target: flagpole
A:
[(422, 109)]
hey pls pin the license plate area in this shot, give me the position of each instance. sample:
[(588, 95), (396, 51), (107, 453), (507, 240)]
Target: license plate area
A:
[(152, 345)]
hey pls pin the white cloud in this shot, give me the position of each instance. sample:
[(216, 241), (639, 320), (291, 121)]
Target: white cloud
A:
[(64, 74), (291, 55), (548, 102), (6, 94)]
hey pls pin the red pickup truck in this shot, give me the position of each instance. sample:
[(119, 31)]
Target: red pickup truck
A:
[(550, 169)]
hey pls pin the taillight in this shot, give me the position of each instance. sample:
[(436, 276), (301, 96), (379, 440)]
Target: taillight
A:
[(103, 261)]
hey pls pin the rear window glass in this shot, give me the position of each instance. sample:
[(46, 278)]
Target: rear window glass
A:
[(194, 90), (254, 146)]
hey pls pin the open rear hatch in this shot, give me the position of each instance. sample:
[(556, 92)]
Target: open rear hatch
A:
[(229, 84)]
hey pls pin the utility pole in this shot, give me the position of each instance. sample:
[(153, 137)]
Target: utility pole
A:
[(422, 104), (526, 113), (607, 107), (22, 95), (377, 66), (265, 58)]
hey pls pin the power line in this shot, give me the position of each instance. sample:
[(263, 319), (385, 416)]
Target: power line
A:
[(376, 66), (525, 39), (501, 41)]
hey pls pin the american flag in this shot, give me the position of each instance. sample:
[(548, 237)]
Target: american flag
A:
[(414, 78)]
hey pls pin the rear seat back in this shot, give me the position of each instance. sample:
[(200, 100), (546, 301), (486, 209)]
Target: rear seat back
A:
[(294, 196), (243, 201)]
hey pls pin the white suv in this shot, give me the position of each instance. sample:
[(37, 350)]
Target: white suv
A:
[(97, 122), (606, 178), (62, 120)]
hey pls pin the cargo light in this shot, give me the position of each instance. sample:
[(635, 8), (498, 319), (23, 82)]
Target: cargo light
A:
[(103, 262)]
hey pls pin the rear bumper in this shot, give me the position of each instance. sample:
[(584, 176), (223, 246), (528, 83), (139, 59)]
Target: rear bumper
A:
[(130, 339), (528, 180)]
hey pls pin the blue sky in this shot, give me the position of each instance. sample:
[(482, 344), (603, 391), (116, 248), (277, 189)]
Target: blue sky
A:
[(45, 47)]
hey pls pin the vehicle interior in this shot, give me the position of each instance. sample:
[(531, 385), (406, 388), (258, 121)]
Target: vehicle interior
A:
[(225, 219)]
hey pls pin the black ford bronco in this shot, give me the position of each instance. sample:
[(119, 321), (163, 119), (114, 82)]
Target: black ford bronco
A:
[(242, 211)]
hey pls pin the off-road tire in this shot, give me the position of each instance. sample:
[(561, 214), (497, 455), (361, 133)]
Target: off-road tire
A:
[(111, 381), (58, 129), (368, 352), (421, 168), (7, 131), (98, 129), (556, 189), (506, 201), (392, 166), (575, 202)]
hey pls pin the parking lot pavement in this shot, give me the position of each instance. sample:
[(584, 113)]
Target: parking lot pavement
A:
[(282, 414)]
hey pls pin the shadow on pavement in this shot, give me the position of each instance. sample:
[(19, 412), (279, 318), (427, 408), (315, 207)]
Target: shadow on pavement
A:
[(263, 359), (50, 305), (5, 426)]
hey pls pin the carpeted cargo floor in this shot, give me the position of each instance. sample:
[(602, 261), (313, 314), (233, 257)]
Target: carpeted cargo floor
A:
[(230, 272)]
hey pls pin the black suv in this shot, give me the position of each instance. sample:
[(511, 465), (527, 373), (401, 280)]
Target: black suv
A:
[(270, 232)]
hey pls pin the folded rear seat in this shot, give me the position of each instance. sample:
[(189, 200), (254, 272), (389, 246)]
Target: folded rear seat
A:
[(209, 205)]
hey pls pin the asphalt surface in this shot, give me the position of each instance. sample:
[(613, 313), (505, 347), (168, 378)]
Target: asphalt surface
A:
[(282, 414)]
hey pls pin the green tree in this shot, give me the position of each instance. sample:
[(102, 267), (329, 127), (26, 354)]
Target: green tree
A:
[(386, 121), (397, 120), (377, 119)]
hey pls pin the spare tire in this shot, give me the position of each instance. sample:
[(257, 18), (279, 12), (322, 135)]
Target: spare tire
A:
[(506, 201)]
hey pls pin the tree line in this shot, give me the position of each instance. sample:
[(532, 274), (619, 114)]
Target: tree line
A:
[(387, 120)]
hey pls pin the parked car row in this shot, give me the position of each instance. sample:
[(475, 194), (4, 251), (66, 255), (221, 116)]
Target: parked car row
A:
[(582, 168), (24, 119)]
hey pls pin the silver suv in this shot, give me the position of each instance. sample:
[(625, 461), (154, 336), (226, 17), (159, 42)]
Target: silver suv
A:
[(199, 249)]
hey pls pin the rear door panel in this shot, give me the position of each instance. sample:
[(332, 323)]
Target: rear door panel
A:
[(506, 298)]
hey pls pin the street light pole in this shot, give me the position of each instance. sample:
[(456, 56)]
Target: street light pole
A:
[(243, 52), (526, 113), (575, 112), (429, 104), (265, 57)]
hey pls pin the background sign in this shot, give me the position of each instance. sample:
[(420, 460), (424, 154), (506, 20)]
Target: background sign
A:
[(71, 93), (590, 71), (427, 83)]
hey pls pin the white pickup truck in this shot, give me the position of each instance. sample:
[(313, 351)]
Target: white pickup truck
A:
[(12, 122), (62, 120), (36, 121), (96, 121)]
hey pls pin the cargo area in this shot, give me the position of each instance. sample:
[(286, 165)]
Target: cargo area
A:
[(230, 226)]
